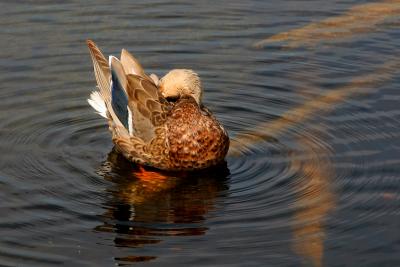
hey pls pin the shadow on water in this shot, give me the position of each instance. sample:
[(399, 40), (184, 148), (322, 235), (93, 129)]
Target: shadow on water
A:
[(147, 204)]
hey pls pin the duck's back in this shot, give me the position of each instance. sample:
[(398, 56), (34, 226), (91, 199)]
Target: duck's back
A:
[(196, 139)]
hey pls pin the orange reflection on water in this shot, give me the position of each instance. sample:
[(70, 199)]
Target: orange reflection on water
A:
[(150, 176), (359, 19)]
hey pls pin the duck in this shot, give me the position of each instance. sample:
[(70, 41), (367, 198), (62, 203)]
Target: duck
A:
[(160, 123)]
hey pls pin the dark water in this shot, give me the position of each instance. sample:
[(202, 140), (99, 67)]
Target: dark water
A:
[(321, 188)]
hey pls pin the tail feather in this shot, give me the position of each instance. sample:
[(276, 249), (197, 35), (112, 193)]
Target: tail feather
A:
[(97, 102), (101, 70), (131, 64)]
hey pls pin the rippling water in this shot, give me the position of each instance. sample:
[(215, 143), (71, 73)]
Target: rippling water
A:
[(313, 175)]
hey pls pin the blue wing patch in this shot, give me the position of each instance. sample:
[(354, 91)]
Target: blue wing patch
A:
[(119, 100)]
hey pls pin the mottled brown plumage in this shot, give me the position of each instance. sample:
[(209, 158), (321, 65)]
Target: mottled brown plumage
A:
[(196, 139), (180, 135)]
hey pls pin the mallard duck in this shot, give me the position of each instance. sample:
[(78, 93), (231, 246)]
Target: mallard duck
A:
[(156, 122)]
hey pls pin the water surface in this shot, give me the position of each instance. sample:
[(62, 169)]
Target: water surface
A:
[(313, 175)]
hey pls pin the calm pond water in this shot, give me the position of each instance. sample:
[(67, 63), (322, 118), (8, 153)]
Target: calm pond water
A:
[(313, 175)]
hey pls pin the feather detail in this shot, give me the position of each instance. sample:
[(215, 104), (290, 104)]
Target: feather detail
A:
[(117, 71), (131, 64), (119, 100), (130, 121), (103, 77), (145, 94), (97, 102), (119, 103), (155, 78), (101, 70)]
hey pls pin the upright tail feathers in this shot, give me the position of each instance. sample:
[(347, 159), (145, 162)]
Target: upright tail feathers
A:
[(108, 98)]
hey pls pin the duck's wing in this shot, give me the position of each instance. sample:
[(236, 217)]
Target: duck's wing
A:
[(132, 66), (148, 106), (144, 108), (107, 89), (119, 98)]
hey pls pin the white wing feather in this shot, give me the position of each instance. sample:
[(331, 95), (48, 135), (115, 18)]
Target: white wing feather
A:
[(130, 124), (97, 102)]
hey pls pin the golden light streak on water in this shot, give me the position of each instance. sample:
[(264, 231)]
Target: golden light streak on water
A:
[(314, 202), (360, 85), (357, 20)]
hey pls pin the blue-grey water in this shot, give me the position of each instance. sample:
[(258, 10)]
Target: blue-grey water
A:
[(320, 188)]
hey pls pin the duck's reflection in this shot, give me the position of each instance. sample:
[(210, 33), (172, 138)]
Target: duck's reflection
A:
[(147, 204)]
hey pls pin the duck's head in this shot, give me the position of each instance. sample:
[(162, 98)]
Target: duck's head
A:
[(181, 82)]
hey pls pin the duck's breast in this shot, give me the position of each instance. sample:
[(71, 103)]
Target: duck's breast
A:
[(196, 139)]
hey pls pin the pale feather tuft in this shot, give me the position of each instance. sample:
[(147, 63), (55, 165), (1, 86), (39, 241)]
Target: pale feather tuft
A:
[(130, 121), (155, 78), (97, 102)]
